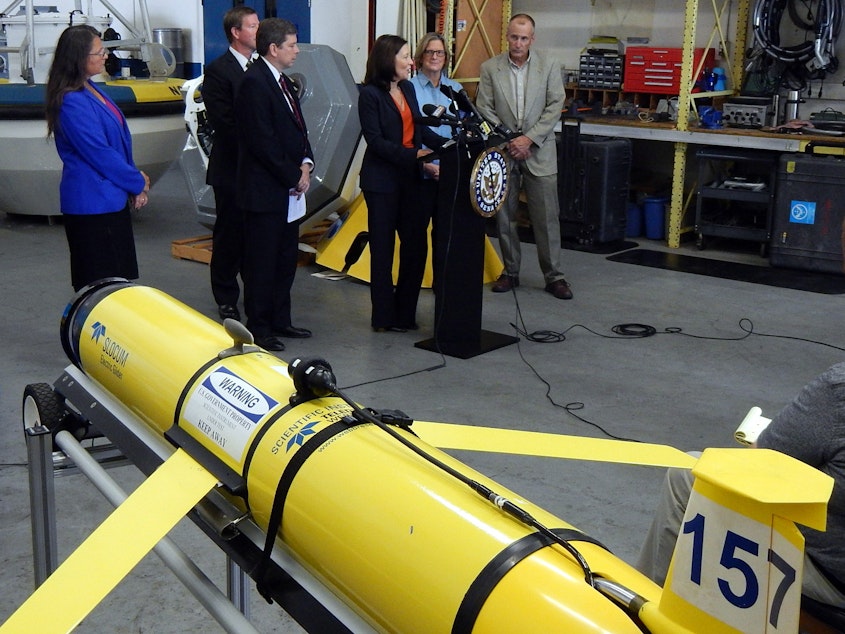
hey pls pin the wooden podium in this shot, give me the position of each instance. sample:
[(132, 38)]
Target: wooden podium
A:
[(458, 245)]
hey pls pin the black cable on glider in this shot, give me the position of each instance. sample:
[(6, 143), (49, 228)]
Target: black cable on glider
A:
[(314, 378)]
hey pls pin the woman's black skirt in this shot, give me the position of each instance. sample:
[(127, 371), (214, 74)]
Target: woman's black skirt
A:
[(101, 245)]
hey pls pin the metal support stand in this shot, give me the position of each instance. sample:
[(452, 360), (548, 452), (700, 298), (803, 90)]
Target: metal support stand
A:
[(237, 587), (231, 614), (194, 579), (310, 603), (42, 501)]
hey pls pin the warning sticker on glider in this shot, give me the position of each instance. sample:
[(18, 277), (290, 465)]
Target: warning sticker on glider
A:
[(226, 409)]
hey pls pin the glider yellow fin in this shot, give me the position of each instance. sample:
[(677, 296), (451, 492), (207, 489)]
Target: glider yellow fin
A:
[(530, 443), (738, 561), (114, 548)]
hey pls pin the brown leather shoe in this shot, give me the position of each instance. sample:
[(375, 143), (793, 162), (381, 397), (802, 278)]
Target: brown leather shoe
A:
[(560, 289), (505, 283)]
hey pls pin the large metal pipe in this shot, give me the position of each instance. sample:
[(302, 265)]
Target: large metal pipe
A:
[(404, 544)]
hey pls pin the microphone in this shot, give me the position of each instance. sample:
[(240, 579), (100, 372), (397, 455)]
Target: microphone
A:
[(355, 250), (434, 122), (461, 102), (506, 133), (486, 128), (438, 112), (464, 103), (429, 121)]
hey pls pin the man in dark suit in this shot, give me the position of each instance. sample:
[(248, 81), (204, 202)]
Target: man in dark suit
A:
[(221, 80), (274, 172)]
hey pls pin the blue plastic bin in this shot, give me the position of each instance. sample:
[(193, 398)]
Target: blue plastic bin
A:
[(634, 224), (654, 211)]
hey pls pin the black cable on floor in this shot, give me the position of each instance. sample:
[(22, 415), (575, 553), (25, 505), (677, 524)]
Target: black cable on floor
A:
[(550, 336), (442, 364), (569, 408), (623, 331), (620, 331)]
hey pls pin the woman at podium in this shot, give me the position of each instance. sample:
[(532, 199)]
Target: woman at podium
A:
[(391, 177)]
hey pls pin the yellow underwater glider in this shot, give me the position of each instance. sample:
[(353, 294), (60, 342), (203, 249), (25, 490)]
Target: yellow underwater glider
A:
[(217, 421)]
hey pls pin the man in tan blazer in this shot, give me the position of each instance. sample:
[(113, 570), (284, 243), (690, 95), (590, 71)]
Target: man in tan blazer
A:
[(523, 90)]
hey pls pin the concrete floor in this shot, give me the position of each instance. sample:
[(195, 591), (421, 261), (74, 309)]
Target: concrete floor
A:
[(687, 391)]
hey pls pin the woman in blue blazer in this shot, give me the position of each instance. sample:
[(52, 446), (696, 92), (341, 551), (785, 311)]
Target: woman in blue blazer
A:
[(391, 176), (100, 183)]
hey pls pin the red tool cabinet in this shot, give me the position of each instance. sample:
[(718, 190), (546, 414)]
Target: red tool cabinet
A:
[(658, 70)]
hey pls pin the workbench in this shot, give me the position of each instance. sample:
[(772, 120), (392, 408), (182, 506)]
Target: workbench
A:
[(669, 132)]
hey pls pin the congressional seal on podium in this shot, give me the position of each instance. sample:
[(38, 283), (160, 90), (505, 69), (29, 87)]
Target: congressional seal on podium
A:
[(489, 182)]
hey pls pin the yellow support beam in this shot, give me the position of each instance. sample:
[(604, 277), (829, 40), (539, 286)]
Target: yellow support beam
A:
[(686, 101), (676, 207), (739, 43)]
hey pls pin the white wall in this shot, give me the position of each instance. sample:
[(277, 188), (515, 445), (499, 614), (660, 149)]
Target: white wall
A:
[(343, 26)]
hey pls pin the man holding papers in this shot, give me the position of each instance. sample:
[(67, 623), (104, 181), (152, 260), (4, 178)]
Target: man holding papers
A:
[(274, 173)]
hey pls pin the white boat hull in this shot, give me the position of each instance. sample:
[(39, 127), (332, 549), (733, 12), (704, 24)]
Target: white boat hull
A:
[(30, 168)]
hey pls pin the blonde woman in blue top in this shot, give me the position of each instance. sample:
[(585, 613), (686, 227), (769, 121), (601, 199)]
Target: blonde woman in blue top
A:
[(431, 60), (100, 183)]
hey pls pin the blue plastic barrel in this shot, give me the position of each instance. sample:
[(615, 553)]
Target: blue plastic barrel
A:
[(654, 211), (634, 224)]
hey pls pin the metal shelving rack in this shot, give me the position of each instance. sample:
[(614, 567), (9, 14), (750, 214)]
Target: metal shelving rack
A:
[(686, 97), (735, 195)]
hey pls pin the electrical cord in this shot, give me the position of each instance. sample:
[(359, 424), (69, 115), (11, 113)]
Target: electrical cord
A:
[(550, 336), (442, 364), (569, 408), (620, 331), (623, 331)]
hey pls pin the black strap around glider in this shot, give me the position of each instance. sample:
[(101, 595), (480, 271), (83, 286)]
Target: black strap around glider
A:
[(499, 566), (291, 470)]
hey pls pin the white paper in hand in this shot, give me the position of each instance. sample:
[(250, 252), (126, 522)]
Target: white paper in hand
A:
[(296, 206)]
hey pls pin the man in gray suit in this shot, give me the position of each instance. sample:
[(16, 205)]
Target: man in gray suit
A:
[(523, 90)]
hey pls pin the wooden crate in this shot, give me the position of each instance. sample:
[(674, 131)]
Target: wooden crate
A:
[(197, 249)]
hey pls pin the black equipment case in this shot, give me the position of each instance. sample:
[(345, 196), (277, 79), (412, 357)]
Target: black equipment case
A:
[(593, 181), (808, 213)]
